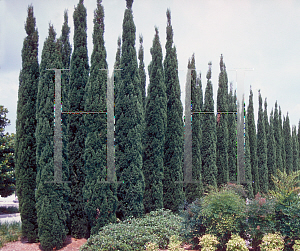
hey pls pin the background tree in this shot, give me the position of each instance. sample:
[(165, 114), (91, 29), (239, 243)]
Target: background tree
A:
[(222, 127), (278, 139), (271, 153), (232, 136), (25, 144), (195, 190), (156, 118), (101, 198), (129, 126), (295, 150), (266, 120), (142, 72), (174, 138), (50, 204), (287, 139), (282, 146), (209, 136), (79, 70), (253, 144), (262, 149)]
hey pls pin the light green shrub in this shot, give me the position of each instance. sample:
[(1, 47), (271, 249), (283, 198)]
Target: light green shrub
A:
[(174, 244), (236, 243), (272, 242), (150, 246), (296, 246), (208, 242)]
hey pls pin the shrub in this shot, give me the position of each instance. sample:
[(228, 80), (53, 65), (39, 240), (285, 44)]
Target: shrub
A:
[(175, 244), (208, 242), (296, 246), (134, 234), (272, 242), (236, 243), (151, 246)]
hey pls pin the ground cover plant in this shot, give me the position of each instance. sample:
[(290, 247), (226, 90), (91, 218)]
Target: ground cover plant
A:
[(10, 232)]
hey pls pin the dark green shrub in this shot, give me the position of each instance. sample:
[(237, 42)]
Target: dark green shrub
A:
[(132, 234)]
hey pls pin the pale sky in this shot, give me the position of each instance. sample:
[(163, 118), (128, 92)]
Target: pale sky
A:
[(259, 34)]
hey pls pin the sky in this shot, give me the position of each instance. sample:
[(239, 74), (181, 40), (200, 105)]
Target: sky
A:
[(263, 35)]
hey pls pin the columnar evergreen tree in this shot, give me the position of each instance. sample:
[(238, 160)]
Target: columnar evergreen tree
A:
[(295, 149), (271, 153), (66, 50), (288, 144), (156, 118), (79, 70), (25, 148), (129, 126), (222, 128), (278, 139), (253, 144), (142, 72), (266, 120), (50, 197), (283, 154), (248, 174), (117, 75), (232, 147), (298, 135), (174, 138), (195, 190), (262, 150), (101, 198), (200, 100), (209, 136)]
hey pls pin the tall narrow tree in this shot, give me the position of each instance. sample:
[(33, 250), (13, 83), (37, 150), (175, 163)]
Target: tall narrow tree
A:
[(278, 139), (295, 149), (288, 145), (271, 153), (262, 149), (195, 190), (232, 136), (253, 144), (222, 128), (101, 198), (142, 72), (25, 148), (156, 118), (50, 197), (79, 70), (173, 152), (129, 126), (266, 120), (282, 145), (209, 136)]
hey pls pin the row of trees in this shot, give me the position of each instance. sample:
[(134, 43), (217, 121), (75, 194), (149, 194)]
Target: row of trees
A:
[(149, 133)]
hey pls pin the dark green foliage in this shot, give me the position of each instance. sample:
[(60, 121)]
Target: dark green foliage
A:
[(271, 153), (142, 72), (133, 234), (253, 144), (287, 139), (248, 171), (156, 118), (79, 72), (222, 127), (174, 138), (283, 154), (295, 150), (278, 139), (298, 135), (50, 204), (100, 198), (25, 145), (266, 119), (232, 131), (117, 76), (128, 145), (262, 150), (209, 136), (193, 191)]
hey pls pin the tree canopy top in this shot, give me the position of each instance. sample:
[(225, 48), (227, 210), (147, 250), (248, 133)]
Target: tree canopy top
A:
[(129, 4)]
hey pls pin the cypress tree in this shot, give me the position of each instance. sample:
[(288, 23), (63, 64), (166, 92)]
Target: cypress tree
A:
[(253, 144), (248, 174), (271, 153), (193, 191), (142, 72), (209, 136), (66, 50), (282, 145), (156, 116), (79, 70), (222, 128), (174, 138), (129, 127), (232, 147), (262, 149), (298, 135), (100, 198), (277, 136), (25, 147), (50, 203), (117, 75), (288, 144), (266, 120), (295, 150)]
